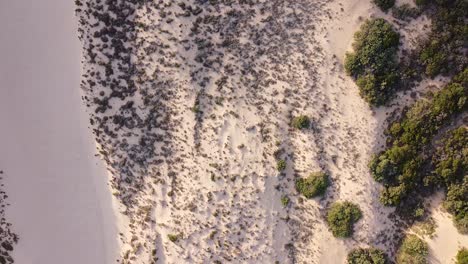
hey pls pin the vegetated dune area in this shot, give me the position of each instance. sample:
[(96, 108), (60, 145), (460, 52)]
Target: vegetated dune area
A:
[(234, 131)]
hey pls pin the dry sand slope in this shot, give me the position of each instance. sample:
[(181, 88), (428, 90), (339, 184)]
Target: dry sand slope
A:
[(192, 99)]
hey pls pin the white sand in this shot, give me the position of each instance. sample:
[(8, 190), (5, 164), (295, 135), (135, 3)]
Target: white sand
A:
[(61, 206)]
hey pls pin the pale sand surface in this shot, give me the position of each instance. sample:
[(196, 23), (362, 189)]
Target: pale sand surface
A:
[(446, 241), (61, 206)]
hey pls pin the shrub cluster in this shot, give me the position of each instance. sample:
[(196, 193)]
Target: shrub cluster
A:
[(341, 218), (456, 203), (367, 256), (314, 185), (413, 250), (399, 167), (374, 62)]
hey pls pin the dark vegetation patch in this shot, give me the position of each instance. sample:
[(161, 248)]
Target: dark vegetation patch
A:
[(462, 256), (367, 256), (385, 5), (8, 239)]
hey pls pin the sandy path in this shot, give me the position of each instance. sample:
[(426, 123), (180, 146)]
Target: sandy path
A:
[(61, 206)]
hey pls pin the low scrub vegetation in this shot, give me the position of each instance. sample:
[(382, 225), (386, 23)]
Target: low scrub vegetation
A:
[(462, 256), (444, 50), (374, 62), (400, 167), (367, 256), (314, 185), (341, 218), (413, 250), (456, 203)]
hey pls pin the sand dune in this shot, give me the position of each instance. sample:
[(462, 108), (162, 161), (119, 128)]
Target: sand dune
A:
[(61, 206), (190, 104)]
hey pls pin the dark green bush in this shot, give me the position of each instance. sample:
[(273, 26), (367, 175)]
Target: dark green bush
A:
[(173, 238), (314, 185), (384, 4), (462, 256), (374, 63), (341, 218), (413, 250), (367, 256), (301, 122)]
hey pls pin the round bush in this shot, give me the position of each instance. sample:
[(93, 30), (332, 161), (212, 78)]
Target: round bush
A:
[(341, 218), (314, 185), (367, 256), (413, 250)]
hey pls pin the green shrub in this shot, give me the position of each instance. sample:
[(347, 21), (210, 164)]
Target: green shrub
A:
[(413, 250), (285, 200), (384, 4), (314, 185), (281, 165), (367, 256), (374, 63), (456, 203), (173, 238), (341, 218), (462, 256), (301, 122)]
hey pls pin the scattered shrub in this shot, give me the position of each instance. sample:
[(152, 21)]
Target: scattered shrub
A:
[(285, 200), (281, 165), (462, 256), (384, 4), (173, 238), (374, 63), (301, 122), (367, 256), (413, 250), (314, 185), (341, 218)]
